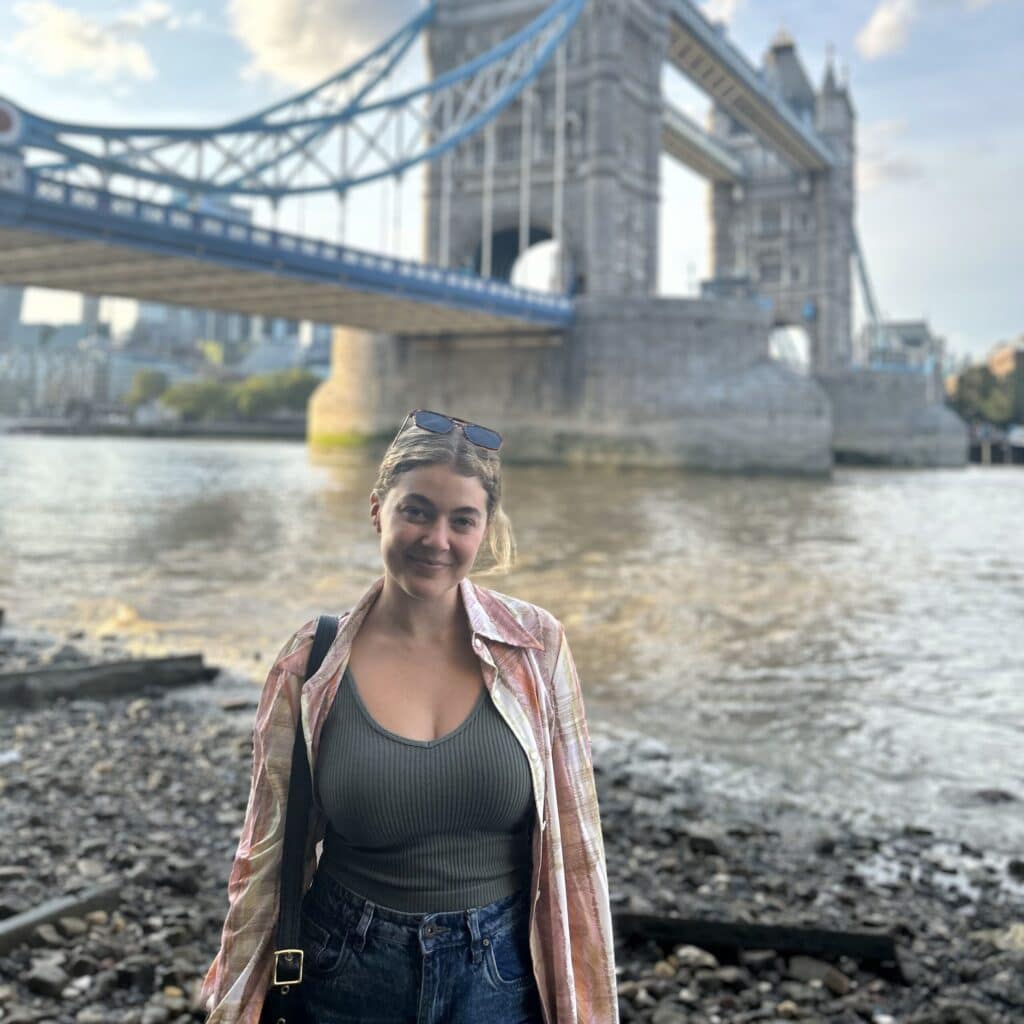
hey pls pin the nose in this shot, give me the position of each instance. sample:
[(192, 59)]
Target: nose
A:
[(437, 535)]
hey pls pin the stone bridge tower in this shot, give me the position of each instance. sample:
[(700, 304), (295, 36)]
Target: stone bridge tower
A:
[(792, 232), (612, 144)]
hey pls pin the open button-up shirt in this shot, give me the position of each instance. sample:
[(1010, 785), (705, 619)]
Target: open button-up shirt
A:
[(530, 675)]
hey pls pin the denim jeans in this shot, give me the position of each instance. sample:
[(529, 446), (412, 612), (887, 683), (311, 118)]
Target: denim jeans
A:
[(373, 965)]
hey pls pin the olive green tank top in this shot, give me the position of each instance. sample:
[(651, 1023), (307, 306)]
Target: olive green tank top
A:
[(424, 826)]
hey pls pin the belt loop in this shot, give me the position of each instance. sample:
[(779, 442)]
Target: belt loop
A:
[(364, 923), (475, 945)]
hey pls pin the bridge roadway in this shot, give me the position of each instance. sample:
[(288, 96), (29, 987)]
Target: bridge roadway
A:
[(86, 240), (685, 140), (713, 63)]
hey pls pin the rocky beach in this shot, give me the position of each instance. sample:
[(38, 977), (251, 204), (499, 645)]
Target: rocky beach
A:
[(141, 797)]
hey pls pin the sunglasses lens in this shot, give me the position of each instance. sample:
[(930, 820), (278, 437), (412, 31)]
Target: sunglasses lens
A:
[(483, 436), (433, 421)]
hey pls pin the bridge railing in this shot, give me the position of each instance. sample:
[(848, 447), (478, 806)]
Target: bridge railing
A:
[(185, 222)]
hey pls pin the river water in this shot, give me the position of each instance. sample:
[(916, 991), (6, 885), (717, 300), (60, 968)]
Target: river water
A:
[(853, 645)]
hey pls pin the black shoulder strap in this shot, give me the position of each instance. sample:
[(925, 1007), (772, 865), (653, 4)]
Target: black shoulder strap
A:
[(300, 799)]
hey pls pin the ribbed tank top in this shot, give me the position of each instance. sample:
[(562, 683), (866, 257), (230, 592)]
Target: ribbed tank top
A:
[(424, 826)]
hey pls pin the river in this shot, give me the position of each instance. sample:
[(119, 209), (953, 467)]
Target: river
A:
[(853, 645)]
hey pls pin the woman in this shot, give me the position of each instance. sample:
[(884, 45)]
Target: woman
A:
[(461, 875)]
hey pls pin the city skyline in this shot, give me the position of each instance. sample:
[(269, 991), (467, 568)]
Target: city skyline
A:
[(938, 214)]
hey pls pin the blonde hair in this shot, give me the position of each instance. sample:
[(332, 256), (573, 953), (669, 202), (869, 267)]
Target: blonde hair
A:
[(415, 447)]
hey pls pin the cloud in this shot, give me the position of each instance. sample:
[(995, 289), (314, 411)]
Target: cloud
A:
[(300, 41), (721, 10), (882, 159), (887, 29), (59, 41), (145, 14)]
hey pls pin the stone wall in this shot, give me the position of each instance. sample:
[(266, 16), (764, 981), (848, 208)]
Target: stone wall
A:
[(892, 418), (656, 382)]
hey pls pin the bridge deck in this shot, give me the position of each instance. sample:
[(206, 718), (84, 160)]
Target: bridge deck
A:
[(698, 50), (54, 236), (685, 140)]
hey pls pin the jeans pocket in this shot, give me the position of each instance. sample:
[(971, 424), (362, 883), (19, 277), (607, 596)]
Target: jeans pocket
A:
[(325, 949), (508, 960)]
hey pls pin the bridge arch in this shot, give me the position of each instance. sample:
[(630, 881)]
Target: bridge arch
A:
[(505, 250), (791, 344), (467, 247)]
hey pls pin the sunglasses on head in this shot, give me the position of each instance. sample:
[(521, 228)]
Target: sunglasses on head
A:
[(438, 423)]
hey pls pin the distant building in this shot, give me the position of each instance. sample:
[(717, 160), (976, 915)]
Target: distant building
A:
[(270, 358), (907, 345), (315, 340), (44, 369), (903, 343), (1007, 358), (10, 310), (48, 371), (91, 313)]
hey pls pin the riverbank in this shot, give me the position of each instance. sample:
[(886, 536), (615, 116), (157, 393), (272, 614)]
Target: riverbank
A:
[(149, 793), (272, 430)]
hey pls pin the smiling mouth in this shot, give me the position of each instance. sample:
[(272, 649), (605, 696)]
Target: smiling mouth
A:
[(423, 561)]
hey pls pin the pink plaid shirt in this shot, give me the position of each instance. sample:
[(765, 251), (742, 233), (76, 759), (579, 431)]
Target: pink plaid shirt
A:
[(530, 675)]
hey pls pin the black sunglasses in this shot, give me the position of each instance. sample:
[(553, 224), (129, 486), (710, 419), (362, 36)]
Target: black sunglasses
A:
[(438, 423)]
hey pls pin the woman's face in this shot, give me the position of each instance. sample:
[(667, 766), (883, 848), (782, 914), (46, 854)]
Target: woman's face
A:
[(431, 515)]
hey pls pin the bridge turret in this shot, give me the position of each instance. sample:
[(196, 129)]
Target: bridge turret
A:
[(784, 70), (834, 113), (610, 147), (791, 230)]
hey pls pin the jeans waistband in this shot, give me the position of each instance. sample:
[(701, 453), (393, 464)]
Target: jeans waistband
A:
[(350, 909)]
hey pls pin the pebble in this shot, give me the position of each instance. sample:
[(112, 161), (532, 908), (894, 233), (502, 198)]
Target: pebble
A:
[(152, 791)]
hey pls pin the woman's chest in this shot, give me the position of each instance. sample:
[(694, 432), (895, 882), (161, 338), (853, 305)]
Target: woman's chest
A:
[(419, 695)]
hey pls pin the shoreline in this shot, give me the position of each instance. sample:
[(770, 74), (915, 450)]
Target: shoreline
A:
[(149, 792), (270, 430)]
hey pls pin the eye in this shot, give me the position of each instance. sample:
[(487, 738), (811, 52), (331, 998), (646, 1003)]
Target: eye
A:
[(410, 509), (469, 523)]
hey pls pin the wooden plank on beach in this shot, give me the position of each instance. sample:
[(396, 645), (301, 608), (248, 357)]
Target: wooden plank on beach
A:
[(35, 687), (18, 929), (874, 948)]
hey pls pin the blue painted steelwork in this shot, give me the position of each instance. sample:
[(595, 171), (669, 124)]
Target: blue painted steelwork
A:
[(78, 212), (375, 65), (454, 107)]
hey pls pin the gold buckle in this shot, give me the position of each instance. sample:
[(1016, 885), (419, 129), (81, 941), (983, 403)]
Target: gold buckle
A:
[(287, 981)]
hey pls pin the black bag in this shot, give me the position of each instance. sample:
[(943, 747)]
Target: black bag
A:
[(283, 1003)]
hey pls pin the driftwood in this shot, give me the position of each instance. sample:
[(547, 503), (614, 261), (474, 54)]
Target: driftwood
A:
[(727, 938), (16, 930), (35, 687)]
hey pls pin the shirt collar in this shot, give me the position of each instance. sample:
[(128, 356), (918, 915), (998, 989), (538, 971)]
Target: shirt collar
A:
[(488, 615)]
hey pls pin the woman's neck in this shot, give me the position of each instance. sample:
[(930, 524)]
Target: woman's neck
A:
[(417, 622)]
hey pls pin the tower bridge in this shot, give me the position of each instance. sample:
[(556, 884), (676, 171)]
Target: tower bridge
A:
[(538, 121)]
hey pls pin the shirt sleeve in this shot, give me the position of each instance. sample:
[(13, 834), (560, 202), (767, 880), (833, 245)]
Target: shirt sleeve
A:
[(232, 990), (586, 876)]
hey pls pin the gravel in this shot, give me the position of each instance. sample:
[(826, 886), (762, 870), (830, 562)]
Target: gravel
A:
[(149, 793)]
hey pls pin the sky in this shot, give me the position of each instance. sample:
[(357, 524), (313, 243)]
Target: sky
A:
[(936, 85)]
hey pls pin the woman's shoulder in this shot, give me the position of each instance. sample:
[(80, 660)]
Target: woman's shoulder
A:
[(534, 618), (295, 652)]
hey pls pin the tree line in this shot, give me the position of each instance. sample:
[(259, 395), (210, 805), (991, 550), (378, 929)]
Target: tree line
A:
[(982, 397), (265, 394)]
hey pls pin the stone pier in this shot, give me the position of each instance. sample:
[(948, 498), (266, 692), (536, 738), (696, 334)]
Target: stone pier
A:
[(893, 418), (639, 382)]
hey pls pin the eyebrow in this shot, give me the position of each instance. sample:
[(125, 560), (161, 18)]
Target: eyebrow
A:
[(427, 501)]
